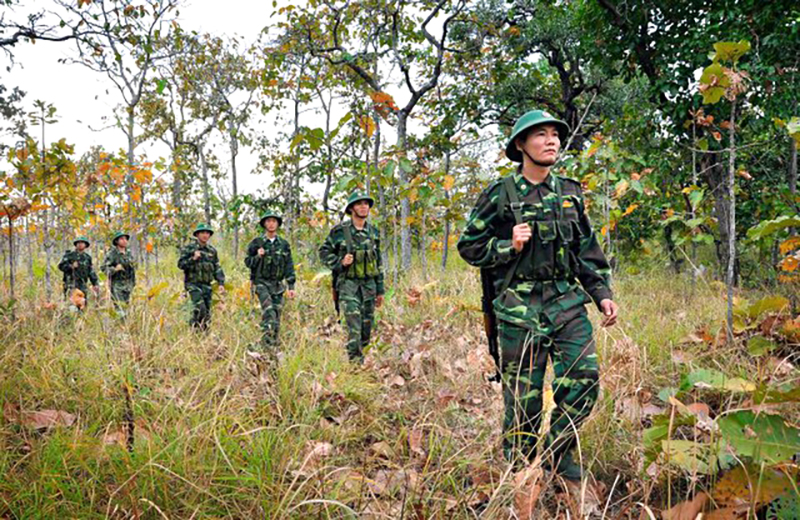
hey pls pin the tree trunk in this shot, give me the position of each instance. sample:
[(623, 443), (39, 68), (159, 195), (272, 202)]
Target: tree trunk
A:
[(134, 242), (423, 249), (446, 237), (11, 260), (48, 253), (29, 244), (405, 205), (793, 167), (206, 187), (234, 152), (731, 196)]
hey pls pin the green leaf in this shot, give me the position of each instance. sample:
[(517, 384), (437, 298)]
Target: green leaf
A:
[(406, 165), (766, 228), (702, 144), (767, 304), (759, 345), (762, 437), (731, 51), (696, 197), (713, 379), (692, 456), (162, 84)]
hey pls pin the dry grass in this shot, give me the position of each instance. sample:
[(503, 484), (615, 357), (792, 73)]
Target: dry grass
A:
[(415, 433)]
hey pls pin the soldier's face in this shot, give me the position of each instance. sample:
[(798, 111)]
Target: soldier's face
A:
[(361, 209), (542, 143), (80, 246), (271, 225), (203, 236), (122, 241)]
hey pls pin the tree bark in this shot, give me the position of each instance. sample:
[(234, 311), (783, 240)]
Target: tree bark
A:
[(405, 205), (234, 146), (446, 237), (793, 167), (731, 195), (206, 188)]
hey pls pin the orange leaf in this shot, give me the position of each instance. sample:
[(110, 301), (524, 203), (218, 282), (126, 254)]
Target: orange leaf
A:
[(528, 486), (78, 298), (149, 247), (686, 510), (790, 244), (449, 182)]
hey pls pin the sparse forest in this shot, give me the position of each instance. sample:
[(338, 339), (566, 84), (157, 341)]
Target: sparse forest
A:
[(685, 125)]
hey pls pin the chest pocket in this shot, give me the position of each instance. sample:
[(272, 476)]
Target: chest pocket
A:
[(365, 259), (273, 261), (204, 268)]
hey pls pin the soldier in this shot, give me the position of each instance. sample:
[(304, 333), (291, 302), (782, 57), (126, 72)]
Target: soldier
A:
[(352, 252), (530, 231), (121, 270), (200, 264), (269, 258), (77, 267)]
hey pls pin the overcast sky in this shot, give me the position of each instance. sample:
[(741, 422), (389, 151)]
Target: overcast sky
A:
[(83, 97)]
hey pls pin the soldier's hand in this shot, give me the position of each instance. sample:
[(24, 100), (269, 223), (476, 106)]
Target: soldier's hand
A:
[(520, 236), (221, 290), (118, 267), (291, 293), (379, 301), (261, 251), (75, 264), (610, 311), (197, 255), (347, 260)]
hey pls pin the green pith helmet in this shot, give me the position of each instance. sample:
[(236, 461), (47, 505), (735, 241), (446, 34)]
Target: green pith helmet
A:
[(529, 120), (118, 235), (271, 214), (202, 227), (355, 197), (81, 239)]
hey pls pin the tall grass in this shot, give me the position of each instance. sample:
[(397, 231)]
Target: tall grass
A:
[(413, 433)]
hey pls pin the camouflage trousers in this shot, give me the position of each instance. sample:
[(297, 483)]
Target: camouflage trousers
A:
[(524, 354), (270, 296), (357, 300), (121, 293), (200, 296)]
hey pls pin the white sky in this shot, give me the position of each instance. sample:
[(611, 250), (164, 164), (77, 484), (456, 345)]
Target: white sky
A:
[(83, 97)]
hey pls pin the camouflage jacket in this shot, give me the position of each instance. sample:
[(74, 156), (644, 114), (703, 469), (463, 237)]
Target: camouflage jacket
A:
[(77, 277), (204, 270), (563, 248), (127, 275), (275, 265), (366, 251)]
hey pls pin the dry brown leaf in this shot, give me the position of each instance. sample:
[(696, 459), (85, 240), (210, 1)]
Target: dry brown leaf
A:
[(728, 513), (397, 381), (528, 486), (415, 442), (686, 510), (383, 449), (413, 296), (386, 482), (583, 498), (444, 396), (40, 419), (317, 452)]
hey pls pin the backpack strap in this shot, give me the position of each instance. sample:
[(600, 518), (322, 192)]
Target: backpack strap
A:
[(348, 238), (516, 208)]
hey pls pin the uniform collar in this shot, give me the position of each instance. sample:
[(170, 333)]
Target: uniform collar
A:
[(366, 225), (523, 183)]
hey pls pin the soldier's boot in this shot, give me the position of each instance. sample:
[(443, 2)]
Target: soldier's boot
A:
[(566, 467)]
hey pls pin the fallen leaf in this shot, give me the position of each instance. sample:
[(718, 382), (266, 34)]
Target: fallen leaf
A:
[(686, 510), (397, 381), (527, 487), (382, 449), (415, 442), (78, 298), (444, 396), (40, 419)]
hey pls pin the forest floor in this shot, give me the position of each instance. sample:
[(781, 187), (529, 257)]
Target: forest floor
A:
[(144, 418)]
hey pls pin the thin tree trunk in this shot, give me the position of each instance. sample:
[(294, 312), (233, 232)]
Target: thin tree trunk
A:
[(793, 167), (234, 152), (11, 258), (134, 245), (405, 204), (446, 237), (729, 280), (29, 244), (206, 187)]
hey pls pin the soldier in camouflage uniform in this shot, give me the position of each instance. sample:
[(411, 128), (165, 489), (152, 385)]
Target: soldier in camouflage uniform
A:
[(269, 258), (200, 264), (76, 264), (531, 230), (121, 270), (352, 251)]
